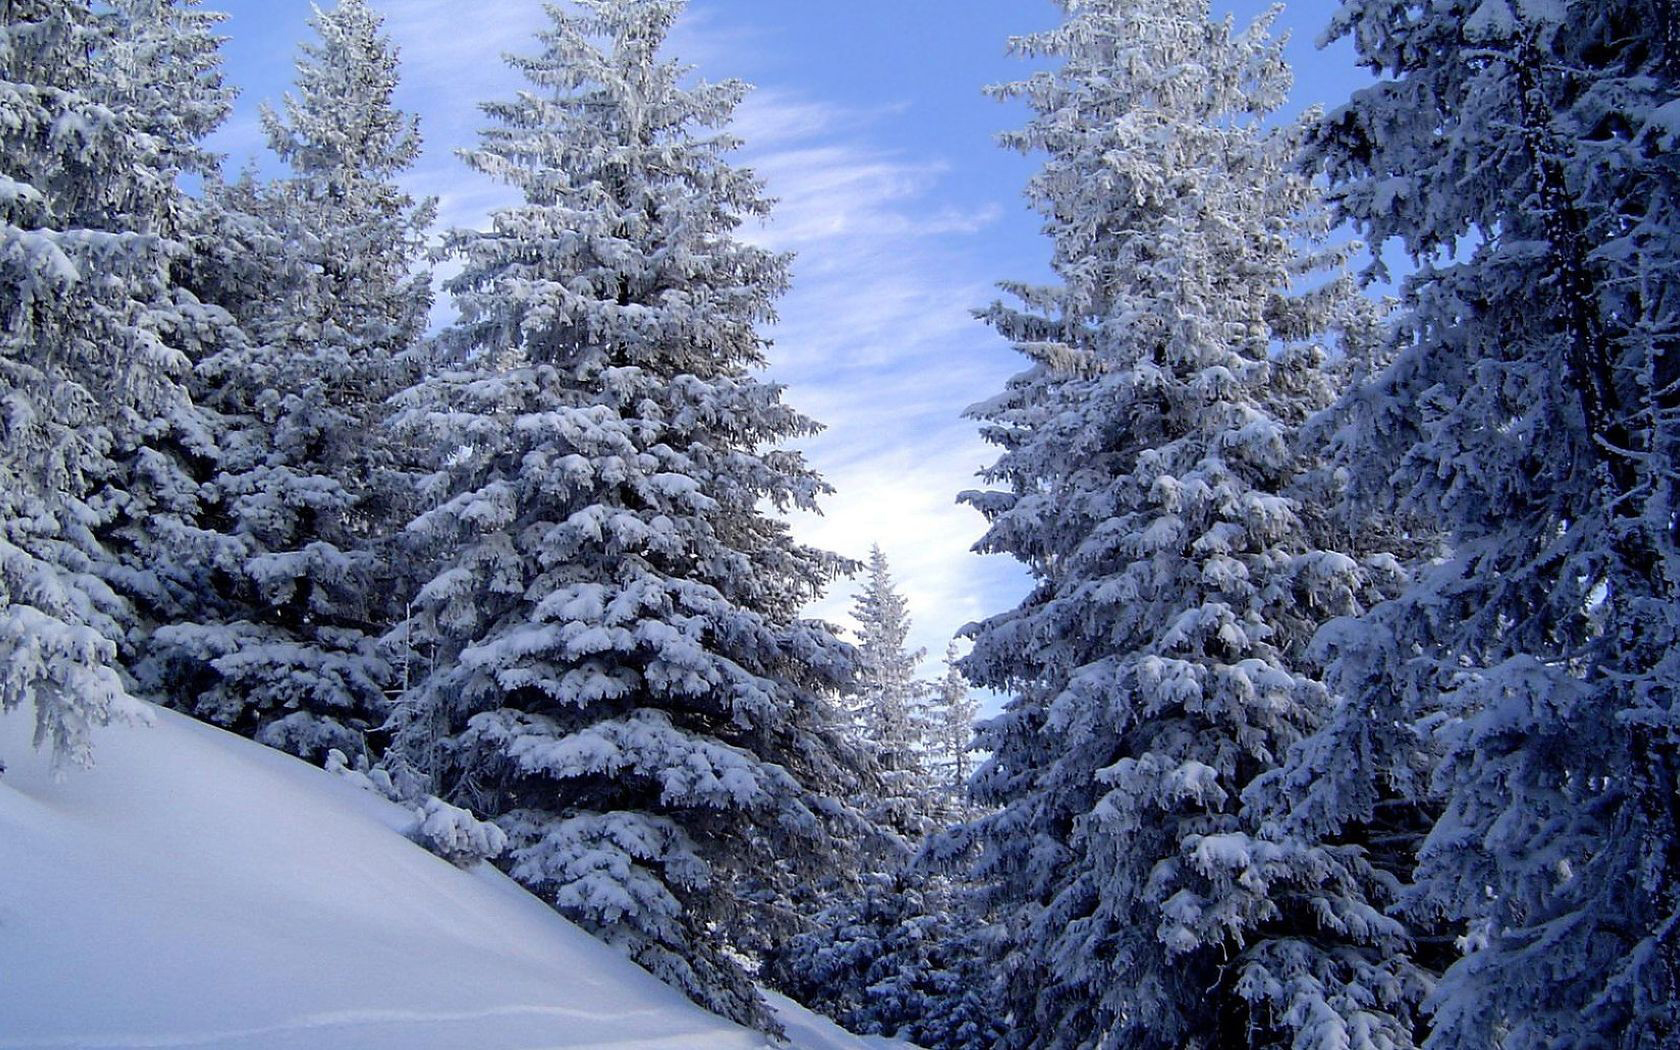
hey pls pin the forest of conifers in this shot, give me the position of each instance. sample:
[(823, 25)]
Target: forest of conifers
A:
[(1342, 711)]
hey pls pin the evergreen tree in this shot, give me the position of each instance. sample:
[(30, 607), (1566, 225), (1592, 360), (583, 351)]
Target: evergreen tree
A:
[(1161, 664), (954, 711), (889, 704), (897, 957), (1523, 154), (94, 330), (621, 677), (890, 953), (295, 586), (169, 55)]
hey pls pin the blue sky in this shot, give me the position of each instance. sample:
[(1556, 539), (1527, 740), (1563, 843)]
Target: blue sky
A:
[(870, 126)]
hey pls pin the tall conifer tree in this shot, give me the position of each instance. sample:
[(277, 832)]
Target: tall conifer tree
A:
[(621, 675), (1160, 665), (889, 703), (294, 574), (94, 329), (170, 62), (952, 717), (1522, 153), (889, 952)]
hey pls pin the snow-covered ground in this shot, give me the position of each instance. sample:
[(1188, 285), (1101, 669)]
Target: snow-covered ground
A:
[(197, 890)]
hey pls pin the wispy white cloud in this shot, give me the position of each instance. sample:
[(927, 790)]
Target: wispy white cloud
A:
[(443, 41), (240, 141), (774, 118), (878, 341), (714, 45), (452, 62)]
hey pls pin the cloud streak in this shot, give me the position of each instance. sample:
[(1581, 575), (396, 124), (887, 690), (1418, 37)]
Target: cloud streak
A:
[(877, 339)]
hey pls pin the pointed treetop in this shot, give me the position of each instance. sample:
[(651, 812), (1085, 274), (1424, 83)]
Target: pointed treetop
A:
[(343, 118)]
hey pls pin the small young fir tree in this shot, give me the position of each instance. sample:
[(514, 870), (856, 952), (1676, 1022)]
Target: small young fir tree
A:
[(890, 704)]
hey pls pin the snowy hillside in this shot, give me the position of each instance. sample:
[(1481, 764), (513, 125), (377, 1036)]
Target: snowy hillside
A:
[(198, 890)]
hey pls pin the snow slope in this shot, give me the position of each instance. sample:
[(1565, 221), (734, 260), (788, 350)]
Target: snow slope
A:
[(197, 890)]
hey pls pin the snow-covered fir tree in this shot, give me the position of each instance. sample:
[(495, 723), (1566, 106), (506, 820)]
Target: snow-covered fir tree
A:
[(169, 52), (1161, 663), (319, 268), (952, 712), (1522, 153), (892, 952), (153, 506), (619, 674), (1361, 779), (890, 704), (97, 133), (896, 956)]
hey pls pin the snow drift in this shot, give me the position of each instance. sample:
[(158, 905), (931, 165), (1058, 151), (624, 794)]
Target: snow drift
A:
[(197, 890)]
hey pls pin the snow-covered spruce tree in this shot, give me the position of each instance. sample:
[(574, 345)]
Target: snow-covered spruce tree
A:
[(169, 55), (1523, 154), (1160, 664), (888, 953), (618, 671), (164, 62), (889, 705), (283, 648), (1362, 777), (952, 714), (896, 957), (90, 326)]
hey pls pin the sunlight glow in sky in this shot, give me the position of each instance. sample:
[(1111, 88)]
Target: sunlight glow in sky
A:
[(870, 127)]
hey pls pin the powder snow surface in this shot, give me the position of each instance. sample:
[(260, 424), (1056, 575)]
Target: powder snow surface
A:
[(197, 890)]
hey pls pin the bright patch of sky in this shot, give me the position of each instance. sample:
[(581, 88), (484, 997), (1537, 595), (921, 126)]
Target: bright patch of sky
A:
[(870, 127)]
